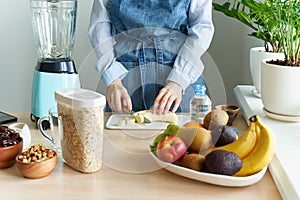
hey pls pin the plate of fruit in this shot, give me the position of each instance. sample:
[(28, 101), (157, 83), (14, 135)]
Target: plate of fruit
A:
[(214, 153)]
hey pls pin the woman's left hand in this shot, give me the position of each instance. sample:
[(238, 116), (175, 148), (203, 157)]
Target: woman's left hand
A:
[(172, 92)]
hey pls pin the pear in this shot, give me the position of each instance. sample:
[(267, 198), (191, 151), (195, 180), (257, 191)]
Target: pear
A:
[(198, 139)]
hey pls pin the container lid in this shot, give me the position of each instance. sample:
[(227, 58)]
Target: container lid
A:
[(80, 98)]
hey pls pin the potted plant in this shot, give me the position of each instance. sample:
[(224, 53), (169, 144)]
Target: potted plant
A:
[(251, 13), (281, 78)]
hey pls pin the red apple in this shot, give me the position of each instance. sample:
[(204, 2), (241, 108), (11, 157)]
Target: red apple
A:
[(171, 148)]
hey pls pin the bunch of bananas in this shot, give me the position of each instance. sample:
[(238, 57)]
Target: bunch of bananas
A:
[(255, 147)]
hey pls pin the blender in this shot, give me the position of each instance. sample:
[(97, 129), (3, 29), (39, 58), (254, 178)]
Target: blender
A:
[(53, 23)]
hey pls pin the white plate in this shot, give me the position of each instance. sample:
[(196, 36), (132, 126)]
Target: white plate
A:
[(281, 117), (216, 179), (115, 118)]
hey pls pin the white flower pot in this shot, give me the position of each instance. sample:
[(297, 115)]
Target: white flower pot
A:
[(257, 54), (280, 89)]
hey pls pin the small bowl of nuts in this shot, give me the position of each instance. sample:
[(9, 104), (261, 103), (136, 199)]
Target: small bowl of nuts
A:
[(11, 144), (36, 162)]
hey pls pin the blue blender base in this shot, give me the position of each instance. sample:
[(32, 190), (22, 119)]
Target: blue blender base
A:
[(44, 86)]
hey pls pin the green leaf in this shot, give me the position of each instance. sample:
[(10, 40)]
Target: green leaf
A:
[(243, 17), (226, 5), (153, 146)]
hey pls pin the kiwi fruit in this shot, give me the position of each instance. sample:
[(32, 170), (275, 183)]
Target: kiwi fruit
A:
[(193, 161)]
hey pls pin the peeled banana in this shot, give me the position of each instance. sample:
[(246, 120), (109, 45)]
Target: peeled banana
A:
[(148, 115), (262, 153), (244, 144)]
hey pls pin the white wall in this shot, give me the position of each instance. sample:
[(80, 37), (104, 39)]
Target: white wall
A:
[(229, 50), (18, 55)]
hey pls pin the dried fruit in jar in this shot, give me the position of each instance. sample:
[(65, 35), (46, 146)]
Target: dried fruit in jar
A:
[(8, 137)]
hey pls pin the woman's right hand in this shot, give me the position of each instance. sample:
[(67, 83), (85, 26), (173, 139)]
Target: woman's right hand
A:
[(117, 96), (168, 95)]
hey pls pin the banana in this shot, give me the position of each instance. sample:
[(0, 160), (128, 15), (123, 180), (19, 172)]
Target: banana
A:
[(244, 144), (147, 114), (257, 131), (262, 153)]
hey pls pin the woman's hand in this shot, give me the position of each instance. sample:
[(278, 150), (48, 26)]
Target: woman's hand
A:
[(172, 92), (117, 96)]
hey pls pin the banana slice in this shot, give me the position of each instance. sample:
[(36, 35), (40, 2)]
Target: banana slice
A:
[(126, 121), (139, 118)]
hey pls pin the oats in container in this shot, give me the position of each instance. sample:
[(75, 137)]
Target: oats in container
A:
[(82, 113)]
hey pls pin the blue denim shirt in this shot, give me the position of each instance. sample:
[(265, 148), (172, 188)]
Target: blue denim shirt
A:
[(164, 39)]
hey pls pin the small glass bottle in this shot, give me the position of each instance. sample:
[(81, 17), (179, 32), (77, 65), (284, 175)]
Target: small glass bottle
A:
[(200, 104)]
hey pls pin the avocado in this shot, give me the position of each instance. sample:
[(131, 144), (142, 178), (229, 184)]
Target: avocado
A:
[(222, 162), (222, 135)]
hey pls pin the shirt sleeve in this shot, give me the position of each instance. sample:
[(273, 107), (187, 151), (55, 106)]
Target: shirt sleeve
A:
[(102, 41), (188, 66)]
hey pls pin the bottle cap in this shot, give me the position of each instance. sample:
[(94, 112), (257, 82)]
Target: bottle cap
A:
[(200, 90)]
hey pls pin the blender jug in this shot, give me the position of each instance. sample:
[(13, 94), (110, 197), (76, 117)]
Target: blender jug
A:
[(53, 24)]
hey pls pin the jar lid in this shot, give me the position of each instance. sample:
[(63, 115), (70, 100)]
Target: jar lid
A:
[(80, 98)]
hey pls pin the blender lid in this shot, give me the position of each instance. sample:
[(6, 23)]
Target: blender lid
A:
[(56, 66)]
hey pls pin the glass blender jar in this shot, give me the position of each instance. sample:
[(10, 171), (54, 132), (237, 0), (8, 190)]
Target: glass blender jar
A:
[(53, 23)]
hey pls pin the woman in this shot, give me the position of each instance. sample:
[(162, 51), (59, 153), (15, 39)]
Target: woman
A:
[(149, 51)]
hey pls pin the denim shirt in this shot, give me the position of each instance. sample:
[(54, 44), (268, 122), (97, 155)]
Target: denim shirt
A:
[(163, 39)]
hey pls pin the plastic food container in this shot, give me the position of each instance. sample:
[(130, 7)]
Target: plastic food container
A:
[(82, 113)]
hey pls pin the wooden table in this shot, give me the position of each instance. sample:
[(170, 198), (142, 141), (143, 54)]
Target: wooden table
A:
[(116, 179)]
